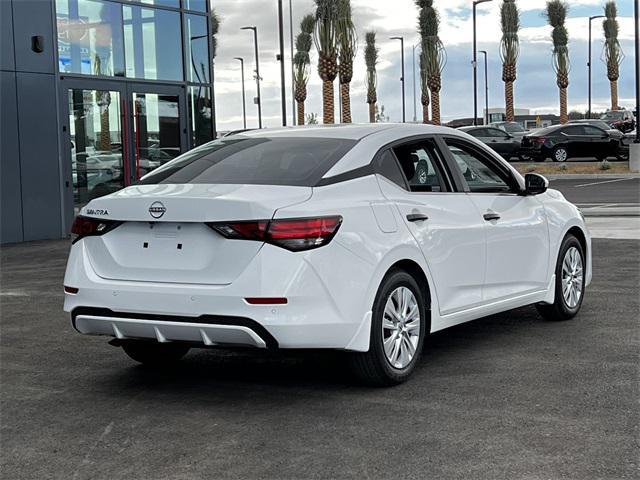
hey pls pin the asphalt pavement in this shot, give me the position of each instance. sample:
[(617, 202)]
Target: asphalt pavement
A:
[(507, 397)]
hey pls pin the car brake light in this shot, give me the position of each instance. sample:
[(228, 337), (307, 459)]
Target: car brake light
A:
[(539, 140), (295, 234), (87, 227)]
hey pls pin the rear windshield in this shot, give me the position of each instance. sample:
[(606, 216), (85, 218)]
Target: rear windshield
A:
[(513, 127), (258, 161)]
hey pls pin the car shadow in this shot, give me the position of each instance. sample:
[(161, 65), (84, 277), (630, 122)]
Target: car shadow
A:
[(207, 373)]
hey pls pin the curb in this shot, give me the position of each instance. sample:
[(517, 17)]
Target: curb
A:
[(589, 176)]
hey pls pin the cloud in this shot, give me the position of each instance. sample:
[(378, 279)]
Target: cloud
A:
[(535, 87)]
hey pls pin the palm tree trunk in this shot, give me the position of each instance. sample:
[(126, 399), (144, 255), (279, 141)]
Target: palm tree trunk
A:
[(372, 112), (435, 107), (300, 113), (105, 133), (614, 94), (345, 98), (425, 106), (328, 105), (564, 118), (508, 97)]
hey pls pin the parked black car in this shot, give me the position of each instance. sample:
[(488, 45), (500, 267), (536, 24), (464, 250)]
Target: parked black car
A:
[(505, 144), (622, 120), (512, 128), (562, 142)]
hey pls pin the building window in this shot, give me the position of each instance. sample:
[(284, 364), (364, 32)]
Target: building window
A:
[(200, 115), (90, 37), (196, 41), (162, 3), (196, 5), (152, 42)]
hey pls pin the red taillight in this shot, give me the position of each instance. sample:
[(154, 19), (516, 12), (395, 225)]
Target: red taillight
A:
[(266, 300), (71, 290), (539, 140), (294, 234), (86, 227)]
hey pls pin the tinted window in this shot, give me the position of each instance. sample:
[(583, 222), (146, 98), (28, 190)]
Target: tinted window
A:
[(589, 130), (513, 127), (256, 161), (480, 173), (574, 130), (420, 167), (494, 132), (388, 167)]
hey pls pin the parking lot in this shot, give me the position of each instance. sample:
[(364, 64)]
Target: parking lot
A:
[(508, 396)]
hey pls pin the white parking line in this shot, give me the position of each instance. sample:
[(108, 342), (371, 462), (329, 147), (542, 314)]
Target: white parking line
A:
[(604, 181)]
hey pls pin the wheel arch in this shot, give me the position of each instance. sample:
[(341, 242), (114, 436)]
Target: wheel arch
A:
[(419, 275), (580, 235)]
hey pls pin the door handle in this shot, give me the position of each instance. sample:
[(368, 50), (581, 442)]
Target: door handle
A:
[(491, 216), (417, 217)]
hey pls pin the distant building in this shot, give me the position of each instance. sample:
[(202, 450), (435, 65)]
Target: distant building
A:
[(522, 115)]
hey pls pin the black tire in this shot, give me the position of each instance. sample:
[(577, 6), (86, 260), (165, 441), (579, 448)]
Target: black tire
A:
[(523, 157), (372, 367), (155, 354), (559, 309), (557, 153)]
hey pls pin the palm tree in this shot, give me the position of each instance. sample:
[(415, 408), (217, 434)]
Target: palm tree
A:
[(326, 40), (424, 98), (348, 44), (371, 60), (433, 56), (556, 16), (301, 62), (509, 51), (612, 51)]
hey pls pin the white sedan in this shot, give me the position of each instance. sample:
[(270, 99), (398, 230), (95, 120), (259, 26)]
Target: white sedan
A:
[(363, 238)]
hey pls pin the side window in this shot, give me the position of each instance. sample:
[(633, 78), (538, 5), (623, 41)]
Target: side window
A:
[(589, 130), (420, 167), (573, 130), (387, 166), (478, 132), (494, 132), (480, 173)]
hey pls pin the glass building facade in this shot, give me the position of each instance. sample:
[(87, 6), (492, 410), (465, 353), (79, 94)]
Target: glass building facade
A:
[(127, 84)]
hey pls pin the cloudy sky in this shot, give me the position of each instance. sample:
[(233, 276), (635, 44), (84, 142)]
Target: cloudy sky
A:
[(535, 88)]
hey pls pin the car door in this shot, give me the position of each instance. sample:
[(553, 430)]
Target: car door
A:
[(443, 223), (578, 144), (501, 142), (600, 144), (516, 226)]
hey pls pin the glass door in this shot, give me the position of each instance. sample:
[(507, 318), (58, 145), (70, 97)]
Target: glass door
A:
[(96, 142), (158, 127)]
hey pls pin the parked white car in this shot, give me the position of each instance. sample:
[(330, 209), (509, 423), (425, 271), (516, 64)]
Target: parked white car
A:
[(362, 238)]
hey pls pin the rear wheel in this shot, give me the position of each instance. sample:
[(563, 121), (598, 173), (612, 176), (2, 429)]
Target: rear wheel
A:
[(398, 327), (560, 154), (155, 354), (569, 288)]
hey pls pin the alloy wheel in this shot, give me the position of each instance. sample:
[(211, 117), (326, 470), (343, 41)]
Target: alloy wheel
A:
[(560, 155), (401, 327), (572, 274)]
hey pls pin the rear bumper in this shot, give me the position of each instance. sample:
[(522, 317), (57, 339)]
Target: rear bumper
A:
[(207, 330), (326, 291)]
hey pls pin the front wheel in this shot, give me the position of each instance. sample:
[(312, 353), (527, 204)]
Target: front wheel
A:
[(154, 353), (570, 278), (560, 154), (398, 328)]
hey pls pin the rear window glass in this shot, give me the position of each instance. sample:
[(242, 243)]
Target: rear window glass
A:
[(258, 161)]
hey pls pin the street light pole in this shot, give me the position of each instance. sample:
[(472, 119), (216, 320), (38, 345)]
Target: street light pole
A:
[(244, 103), (283, 94), (402, 72), (475, 63), (637, 38), (592, 18), (258, 99), (486, 89), (293, 91), (413, 82)]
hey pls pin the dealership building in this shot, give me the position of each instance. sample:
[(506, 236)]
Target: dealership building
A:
[(94, 94)]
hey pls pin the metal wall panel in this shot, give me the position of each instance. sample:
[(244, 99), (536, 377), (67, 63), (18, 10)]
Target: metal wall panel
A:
[(6, 36), (10, 197), (33, 18), (39, 166)]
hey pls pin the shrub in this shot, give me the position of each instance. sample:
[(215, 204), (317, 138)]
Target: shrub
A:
[(531, 168), (604, 165)]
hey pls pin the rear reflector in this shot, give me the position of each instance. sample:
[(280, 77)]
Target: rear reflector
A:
[(295, 234), (266, 301), (86, 227), (71, 290)]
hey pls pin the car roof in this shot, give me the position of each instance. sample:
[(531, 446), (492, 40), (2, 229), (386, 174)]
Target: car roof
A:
[(353, 131)]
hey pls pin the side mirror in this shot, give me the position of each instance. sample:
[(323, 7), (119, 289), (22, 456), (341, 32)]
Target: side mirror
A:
[(535, 184)]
